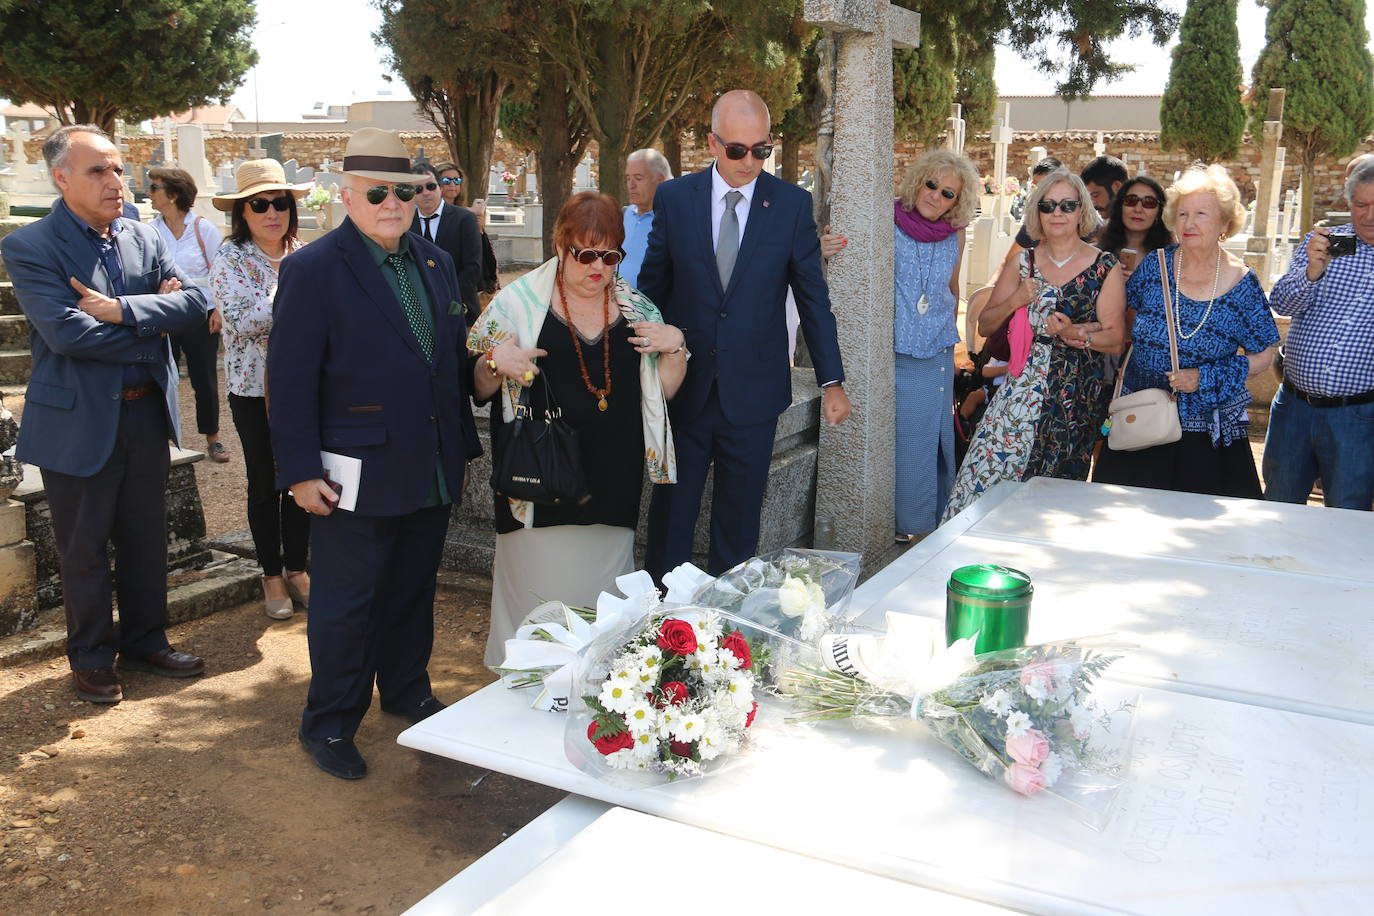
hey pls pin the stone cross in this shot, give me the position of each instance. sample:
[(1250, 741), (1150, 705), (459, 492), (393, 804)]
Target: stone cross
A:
[(954, 129), (1259, 248), (1001, 140), (856, 465), (1099, 147)]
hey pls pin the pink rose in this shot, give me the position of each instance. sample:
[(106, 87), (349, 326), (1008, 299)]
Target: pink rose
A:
[(1043, 672), (1030, 748), (1024, 779)]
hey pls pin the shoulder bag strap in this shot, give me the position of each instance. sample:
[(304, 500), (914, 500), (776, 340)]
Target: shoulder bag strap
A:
[(1168, 310), (195, 227)]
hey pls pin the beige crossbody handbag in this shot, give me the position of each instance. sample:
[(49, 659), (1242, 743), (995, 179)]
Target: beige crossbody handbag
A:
[(1144, 419)]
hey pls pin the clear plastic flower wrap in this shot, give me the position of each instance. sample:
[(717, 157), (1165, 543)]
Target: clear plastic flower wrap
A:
[(1025, 717), (666, 696), (796, 592)]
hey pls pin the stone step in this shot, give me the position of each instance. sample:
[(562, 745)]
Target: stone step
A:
[(9, 302), (14, 332), (226, 584), (15, 366)]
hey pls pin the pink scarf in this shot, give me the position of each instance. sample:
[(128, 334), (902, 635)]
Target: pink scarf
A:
[(918, 228)]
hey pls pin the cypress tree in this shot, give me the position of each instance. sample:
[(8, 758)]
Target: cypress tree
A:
[(1201, 111), (976, 88), (1318, 51)]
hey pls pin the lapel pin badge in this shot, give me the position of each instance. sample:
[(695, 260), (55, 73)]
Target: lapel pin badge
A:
[(765, 203), (429, 262)]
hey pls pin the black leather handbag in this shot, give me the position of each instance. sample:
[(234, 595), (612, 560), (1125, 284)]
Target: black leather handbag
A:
[(537, 459)]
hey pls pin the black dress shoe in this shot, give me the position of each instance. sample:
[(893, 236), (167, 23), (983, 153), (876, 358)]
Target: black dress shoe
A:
[(336, 756), (417, 713), (98, 685), (167, 662)]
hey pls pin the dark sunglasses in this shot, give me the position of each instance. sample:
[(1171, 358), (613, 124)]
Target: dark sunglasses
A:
[(427, 186), (281, 204), (1149, 202), (1068, 205), (610, 257), (946, 193), (449, 181), (377, 193), (761, 151)]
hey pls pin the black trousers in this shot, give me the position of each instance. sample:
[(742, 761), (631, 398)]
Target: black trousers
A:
[(202, 367), (371, 614), (124, 503), (281, 529), (740, 455)]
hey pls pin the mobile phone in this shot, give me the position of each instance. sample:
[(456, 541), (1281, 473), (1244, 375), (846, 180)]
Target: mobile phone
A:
[(1130, 257), (1338, 246)]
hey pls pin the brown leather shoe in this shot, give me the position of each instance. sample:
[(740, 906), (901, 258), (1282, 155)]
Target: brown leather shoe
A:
[(98, 685), (166, 663)]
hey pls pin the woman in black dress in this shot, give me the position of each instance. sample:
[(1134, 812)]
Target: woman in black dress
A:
[(602, 351)]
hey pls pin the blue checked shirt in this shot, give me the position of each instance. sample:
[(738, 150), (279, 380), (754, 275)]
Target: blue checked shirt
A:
[(1330, 346)]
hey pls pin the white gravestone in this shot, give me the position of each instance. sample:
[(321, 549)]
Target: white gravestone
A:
[(1230, 808), (191, 158), (856, 465)]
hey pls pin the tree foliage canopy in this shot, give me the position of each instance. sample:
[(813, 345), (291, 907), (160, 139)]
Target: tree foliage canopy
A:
[(154, 57), (1201, 110), (1317, 50)]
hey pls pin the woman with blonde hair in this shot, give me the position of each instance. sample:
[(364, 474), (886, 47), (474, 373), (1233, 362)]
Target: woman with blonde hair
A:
[(1046, 420), (1225, 335), (938, 199)]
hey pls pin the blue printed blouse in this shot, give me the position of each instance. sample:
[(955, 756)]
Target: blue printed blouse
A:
[(1240, 320), (923, 269)]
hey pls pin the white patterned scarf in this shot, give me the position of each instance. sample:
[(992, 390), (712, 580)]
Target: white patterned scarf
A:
[(518, 312)]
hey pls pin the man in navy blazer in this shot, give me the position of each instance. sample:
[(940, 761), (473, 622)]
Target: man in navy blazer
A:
[(727, 244), (101, 295), (367, 359)]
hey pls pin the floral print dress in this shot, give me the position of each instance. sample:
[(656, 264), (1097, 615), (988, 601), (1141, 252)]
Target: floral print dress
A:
[(1044, 422), (243, 285)]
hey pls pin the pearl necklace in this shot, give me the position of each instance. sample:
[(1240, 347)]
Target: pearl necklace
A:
[(268, 257), (1178, 281)]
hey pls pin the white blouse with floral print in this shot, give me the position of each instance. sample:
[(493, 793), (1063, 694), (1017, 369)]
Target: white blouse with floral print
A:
[(243, 285)]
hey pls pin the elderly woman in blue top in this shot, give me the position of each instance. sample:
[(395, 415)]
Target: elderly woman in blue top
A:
[(938, 199), (1225, 334)]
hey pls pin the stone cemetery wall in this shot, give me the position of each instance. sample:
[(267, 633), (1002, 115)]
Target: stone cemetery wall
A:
[(1074, 148)]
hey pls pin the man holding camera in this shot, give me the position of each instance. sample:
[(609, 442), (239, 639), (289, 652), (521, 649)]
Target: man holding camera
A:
[(1322, 422)]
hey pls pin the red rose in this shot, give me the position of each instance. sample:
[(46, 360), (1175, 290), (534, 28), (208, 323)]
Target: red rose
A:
[(612, 743), (677, 637), (737, 644), (674, 692), (681, 748), (749, 719)]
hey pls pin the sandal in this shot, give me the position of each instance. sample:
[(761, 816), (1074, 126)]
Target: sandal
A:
[(904, 538), (300, 596), (276, 608), (218, 452)]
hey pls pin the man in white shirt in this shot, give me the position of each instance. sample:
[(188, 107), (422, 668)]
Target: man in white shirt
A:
[(645, 170), (453, 229)]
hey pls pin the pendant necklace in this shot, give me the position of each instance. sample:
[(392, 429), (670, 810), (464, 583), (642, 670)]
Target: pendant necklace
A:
[(601, 394), (1058, 263), (1178, 278)]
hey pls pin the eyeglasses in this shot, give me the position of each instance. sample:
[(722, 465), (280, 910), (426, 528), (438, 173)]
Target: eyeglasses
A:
[(259, 205), (1068, 205), (428, 186), (448, 181), (610, 257), (157, 187), (1147, 201), (377, 193), (946, 193), (761, 151)]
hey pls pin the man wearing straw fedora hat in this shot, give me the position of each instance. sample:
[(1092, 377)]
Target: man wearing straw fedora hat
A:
[(366, 361)]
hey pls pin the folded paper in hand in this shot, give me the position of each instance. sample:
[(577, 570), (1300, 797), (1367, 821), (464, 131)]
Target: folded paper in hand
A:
[(347, 473)]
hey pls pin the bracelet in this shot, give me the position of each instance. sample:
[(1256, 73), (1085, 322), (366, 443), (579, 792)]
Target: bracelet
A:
[(682, 346), (491, 362), (1088, 341)]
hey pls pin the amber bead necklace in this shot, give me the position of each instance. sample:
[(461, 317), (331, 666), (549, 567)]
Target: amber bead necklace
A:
[(601, 394)]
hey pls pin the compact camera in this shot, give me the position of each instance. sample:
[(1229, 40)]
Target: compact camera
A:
[(1338, 246)]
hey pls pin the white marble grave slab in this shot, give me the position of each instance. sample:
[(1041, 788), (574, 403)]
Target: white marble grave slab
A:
[(649, 856), (1233, 809), (1132, 521), (1296, 642)]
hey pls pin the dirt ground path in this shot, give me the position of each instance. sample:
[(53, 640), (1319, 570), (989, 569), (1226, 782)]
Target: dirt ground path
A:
[(194, 797)]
